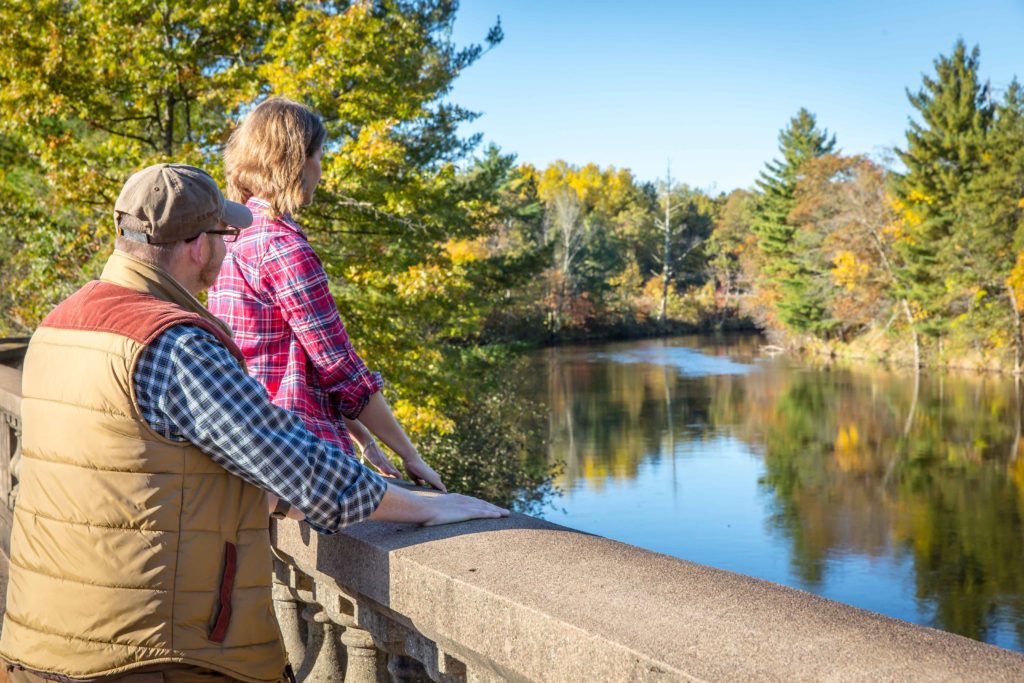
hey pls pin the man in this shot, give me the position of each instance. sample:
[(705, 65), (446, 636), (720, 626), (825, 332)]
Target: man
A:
[(140, 549)]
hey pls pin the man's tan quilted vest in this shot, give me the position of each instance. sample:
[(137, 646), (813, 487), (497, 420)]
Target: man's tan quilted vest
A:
[(128, 549)]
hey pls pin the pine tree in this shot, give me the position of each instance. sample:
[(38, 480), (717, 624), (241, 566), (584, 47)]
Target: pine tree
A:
[(944, 152), (992, 236), (789, 266)]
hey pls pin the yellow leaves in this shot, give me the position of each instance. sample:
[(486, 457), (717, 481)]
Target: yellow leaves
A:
[(629, 280), (441, 278), (375, 146), (422, 417), (1020, 203), (910, 216), (360, 276), (1016, 281), (420, 281), (917, 312), (913, 218), (900, 229), (465, 251), (849, 272), (918, 197), (606, 189)]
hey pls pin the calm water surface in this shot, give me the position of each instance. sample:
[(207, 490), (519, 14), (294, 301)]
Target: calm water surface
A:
[(858, 484)]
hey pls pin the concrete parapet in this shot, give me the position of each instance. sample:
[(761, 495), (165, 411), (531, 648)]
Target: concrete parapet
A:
[(524, 599)]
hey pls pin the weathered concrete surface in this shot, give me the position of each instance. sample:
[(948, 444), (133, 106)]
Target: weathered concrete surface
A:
[(529, 600)]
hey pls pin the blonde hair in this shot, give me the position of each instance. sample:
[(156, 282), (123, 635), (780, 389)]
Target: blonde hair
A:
[(265, 155)]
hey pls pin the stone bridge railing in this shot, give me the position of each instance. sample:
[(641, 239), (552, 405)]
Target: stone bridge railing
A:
[(525, 600)]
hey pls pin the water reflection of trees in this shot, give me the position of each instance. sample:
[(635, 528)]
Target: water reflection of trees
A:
[(859, 461)]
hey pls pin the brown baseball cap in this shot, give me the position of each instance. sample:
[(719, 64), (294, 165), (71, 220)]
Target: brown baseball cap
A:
[(172, 202)]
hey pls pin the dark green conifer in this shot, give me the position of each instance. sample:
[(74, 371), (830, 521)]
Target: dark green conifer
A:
[(943, 155), (788, 265)]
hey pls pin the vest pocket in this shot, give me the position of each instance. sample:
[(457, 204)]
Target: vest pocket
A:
[(222, 615)]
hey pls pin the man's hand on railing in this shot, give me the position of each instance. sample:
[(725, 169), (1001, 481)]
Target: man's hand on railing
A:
[(455, 507), (428, 509)]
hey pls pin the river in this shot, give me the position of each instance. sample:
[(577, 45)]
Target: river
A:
[(856, 483)]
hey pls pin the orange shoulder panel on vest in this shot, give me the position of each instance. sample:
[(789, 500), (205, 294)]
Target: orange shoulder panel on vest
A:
[(105, 307)]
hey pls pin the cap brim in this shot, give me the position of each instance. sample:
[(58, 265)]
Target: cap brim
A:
[(236, 215)]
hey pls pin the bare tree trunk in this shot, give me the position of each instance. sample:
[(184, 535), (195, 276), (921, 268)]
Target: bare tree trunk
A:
[(666, 268), (903, 302), (666, 250), (169, 130), (565, 218), (913, 334)]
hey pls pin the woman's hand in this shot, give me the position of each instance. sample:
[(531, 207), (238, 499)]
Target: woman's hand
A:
[(376, 457), (378, 419), (421, 473)]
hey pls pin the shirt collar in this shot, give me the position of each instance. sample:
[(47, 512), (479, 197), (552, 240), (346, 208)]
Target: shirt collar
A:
[(258, 205), (127, 271)]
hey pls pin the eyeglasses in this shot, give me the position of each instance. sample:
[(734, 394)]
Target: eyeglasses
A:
[(229, 234)]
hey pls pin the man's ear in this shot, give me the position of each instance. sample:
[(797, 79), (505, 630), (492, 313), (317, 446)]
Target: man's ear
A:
[(199, 249)]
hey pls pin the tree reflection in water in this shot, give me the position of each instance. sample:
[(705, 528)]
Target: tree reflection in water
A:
[(858, 460)]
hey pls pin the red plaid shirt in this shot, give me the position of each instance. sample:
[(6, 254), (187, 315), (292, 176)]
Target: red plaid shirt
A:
[(272, 290)]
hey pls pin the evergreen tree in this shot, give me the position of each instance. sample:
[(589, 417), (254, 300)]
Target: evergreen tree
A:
[(943, 154), (992, 235), (788, 266)]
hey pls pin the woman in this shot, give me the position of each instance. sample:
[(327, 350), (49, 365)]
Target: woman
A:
[(272, 290)]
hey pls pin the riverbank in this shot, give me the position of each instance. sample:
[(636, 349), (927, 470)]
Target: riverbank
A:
[(540, 336), (888, 351)]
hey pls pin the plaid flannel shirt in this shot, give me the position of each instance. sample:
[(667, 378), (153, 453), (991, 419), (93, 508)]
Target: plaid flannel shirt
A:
[(272, 290), (190, 388)]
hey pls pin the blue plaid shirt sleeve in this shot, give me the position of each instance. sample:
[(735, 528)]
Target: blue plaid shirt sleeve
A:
[(189, 388)]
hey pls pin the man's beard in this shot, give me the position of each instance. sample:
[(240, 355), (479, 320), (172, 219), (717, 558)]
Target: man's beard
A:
[(208, 275)]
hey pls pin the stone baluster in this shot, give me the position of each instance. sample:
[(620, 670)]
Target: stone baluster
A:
[(10, 451), (293, 590), (293, 628), (364, 663), (325, 660), (363, 658)]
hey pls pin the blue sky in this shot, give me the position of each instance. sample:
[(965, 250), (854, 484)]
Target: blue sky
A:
[(709, 84)]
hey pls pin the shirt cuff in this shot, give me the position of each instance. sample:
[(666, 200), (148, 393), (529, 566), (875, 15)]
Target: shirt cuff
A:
[(351, 406), (357, 505)]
